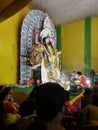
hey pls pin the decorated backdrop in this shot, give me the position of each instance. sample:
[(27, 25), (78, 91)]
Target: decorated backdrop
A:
[(34, 19)]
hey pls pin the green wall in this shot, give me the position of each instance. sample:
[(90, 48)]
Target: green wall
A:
[(79, 45)]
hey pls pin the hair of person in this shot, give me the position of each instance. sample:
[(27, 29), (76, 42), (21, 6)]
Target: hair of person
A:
[(92, 72), (87, 92), (50, 98), (50, 44), (44, 40), (95, 99), (45, 44), (7, 89), (67, 93), (3, 94), (27, 107), (79, 73), (33, 92)]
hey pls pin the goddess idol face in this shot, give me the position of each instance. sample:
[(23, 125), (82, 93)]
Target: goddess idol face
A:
[(47, 39)]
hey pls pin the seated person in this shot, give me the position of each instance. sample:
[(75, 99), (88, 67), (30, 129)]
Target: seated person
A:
[(82, 79), (90, 115), (86, 99), (10, 98), (27, 108), (91, 76), (26, 111), (9, 90), (8, 112), (50, 98), (96, 77), (73, 76), (8, 107)]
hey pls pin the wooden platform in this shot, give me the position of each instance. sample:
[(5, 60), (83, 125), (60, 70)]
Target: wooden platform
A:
[(20, 94), (19, 97)]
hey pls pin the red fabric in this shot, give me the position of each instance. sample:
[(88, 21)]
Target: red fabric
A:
[(71, 109), (83, 80), (8, 107), (77, 103), (29, 82)]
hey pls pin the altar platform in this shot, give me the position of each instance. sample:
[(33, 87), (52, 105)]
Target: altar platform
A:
[(20, 94)]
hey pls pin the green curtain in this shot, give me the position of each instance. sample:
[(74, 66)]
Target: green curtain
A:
[(58, 43), (58, 33), (87, 46)]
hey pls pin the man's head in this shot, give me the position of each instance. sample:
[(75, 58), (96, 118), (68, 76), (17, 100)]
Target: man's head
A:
[(50, 99)]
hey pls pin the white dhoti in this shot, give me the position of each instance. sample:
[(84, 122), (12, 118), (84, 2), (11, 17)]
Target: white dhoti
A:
[(44, 75)]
